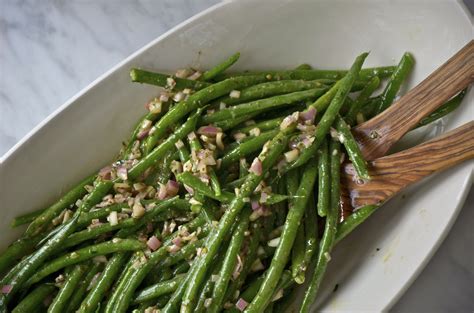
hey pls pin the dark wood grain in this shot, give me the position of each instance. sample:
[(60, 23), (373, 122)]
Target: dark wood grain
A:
[(377, 135), (392, 173)]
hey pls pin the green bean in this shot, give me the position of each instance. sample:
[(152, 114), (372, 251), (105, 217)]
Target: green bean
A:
[(86, 218), (116, 303), (35, 299), (268, 89), (230, 261), (251, 256), (84, 285), (204, 297), (297, 252), (369, 108), (149, 215), (162, 301), (220, 68), (161, 80), (153, 292), (114, 245), (18, 276), (287, 238), (169, 143), (181, 268), (196, 100), (324, 179), (26, 218), (443, 110), (184, 253), (311, 232), (195, 145), (264, 125), (354, 220), (330, 229), (216, 266), (139, 128), (145, 307), (164, 168), (396, 79), (17, 250), (261, 105), (365, 74), (173, 303), (352, 148), (330, 114), (252, 290), (231, 123), (364, 95), (297, 255), (246, 148), (42, 221), (269, 157), (303, 66), (106, 279), (101, 188), (60, 302)]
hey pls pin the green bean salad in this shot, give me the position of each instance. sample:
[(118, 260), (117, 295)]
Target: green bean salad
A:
[(226, 197)]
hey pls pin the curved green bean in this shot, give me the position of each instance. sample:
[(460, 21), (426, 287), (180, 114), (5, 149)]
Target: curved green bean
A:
[(443, 110), (396, 79), (352, 148), (354, 220), (220, 68)]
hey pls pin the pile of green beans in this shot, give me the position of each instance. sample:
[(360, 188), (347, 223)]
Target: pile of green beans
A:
[(225, 197)]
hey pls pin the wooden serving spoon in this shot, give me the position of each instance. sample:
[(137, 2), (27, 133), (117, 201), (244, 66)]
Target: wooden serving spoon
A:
[(377, 135), (393, 173)]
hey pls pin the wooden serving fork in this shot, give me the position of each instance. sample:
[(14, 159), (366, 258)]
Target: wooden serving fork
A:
[(392, 173), (377, 135)]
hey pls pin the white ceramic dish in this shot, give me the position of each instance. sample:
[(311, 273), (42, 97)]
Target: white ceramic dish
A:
[(87, 131)]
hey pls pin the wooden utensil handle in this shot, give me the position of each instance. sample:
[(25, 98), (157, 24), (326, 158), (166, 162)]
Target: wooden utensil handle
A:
[(432, 156), (395, 172), (377, 135)]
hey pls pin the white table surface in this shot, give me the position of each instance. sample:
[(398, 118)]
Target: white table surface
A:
[(49, 50)]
